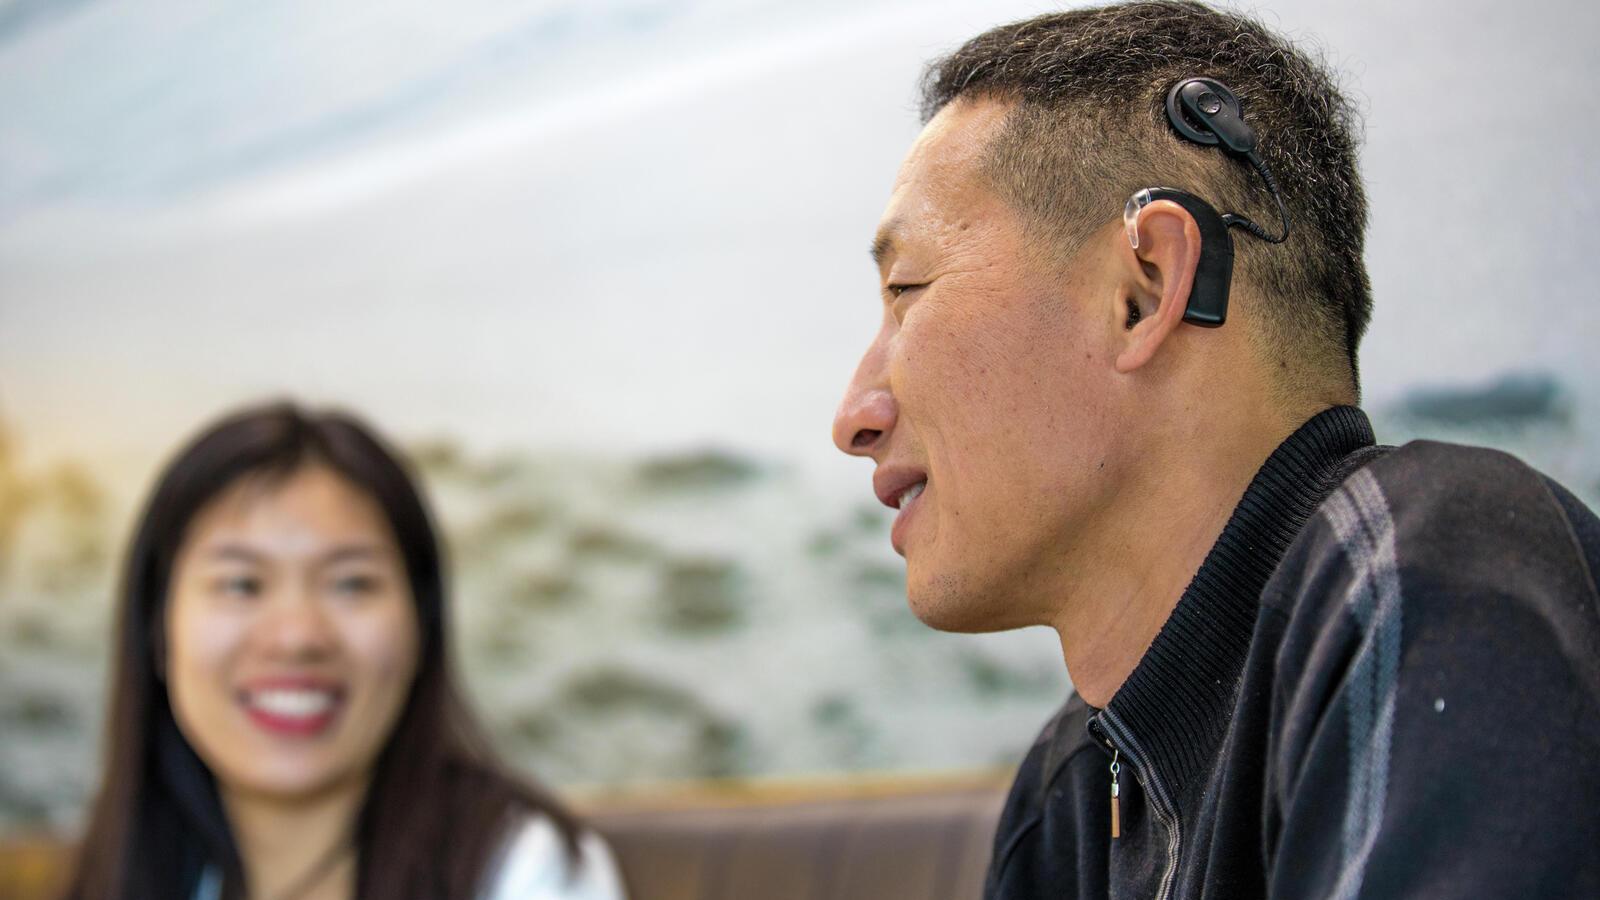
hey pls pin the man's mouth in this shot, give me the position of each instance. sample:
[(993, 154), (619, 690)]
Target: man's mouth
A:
[(910, 494), (908, 505), (899, 488), (898, 485)]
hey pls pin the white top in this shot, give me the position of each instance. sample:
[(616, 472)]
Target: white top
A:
[(532, 866)]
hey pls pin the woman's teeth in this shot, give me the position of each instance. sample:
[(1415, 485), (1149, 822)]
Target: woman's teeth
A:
[(296, 704)]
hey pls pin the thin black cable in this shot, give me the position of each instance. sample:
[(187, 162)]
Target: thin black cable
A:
[(1233, 219)]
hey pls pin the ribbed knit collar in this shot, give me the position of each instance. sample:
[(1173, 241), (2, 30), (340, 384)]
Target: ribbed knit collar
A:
[(1179, 699)]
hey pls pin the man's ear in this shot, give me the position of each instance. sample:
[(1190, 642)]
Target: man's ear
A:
[(1160, 274)]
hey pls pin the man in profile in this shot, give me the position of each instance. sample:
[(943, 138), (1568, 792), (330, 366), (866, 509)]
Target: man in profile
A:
[(1114, 393)]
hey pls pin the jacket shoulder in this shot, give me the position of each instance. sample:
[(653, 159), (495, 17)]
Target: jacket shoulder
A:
[(1446, 518)]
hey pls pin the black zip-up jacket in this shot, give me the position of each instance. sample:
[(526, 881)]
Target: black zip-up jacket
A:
[(1383, 682)]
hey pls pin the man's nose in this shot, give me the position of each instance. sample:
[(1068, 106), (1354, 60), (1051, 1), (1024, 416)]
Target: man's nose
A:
[(867, 413)]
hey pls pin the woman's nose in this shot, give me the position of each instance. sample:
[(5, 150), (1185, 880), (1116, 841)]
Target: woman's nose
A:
[(299, 627)]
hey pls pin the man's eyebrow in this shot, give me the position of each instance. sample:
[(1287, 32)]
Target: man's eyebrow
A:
[(883, 244)]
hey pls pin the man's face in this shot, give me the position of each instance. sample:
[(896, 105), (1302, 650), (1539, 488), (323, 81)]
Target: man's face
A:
[(989, 384)]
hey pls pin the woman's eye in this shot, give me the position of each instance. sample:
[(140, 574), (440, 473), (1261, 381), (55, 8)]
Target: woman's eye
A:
[(243, 586), (355, 585)]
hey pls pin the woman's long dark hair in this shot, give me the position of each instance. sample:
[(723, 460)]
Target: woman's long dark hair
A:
[(438, 806)]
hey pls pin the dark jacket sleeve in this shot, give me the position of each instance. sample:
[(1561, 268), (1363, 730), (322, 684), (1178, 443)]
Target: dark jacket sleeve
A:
[(1436, 712)]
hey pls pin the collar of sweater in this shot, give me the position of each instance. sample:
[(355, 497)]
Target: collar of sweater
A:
[(1178, 700)]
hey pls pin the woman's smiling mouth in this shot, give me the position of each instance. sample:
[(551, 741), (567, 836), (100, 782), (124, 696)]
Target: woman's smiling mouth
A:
[(293, 708)]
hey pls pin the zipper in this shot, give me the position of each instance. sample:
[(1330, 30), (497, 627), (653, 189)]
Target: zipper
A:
[(1099, 733), (1116, 794), (1121, 742)]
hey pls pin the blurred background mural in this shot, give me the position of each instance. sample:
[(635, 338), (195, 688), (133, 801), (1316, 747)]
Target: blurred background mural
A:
[(601, 266)]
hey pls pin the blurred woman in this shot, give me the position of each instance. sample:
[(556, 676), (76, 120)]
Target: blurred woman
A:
[(285, 723)]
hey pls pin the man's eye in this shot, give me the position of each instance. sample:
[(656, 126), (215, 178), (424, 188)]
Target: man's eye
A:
[(896, 290)]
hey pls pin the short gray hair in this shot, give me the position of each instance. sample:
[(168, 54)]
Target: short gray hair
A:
[(1089, 128)]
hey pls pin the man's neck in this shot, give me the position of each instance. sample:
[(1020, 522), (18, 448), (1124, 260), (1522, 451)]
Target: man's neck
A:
[(1168, 524)]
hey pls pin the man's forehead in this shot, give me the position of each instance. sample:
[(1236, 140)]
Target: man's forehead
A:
[(938, 177), (953, 143)]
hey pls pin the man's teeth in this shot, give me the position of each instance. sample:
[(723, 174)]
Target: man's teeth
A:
[(297, 704), (910, 494)]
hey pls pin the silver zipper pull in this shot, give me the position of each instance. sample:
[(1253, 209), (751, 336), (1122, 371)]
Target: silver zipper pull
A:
[(1116, 793)]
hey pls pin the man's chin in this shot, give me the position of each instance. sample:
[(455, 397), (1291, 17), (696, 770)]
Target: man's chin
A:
[(943, 604)]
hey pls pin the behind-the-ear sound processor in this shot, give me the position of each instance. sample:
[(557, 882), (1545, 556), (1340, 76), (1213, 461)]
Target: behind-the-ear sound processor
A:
[(1206, 111)]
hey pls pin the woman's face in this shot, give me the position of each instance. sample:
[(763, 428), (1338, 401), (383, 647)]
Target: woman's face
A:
[(291, 633)]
